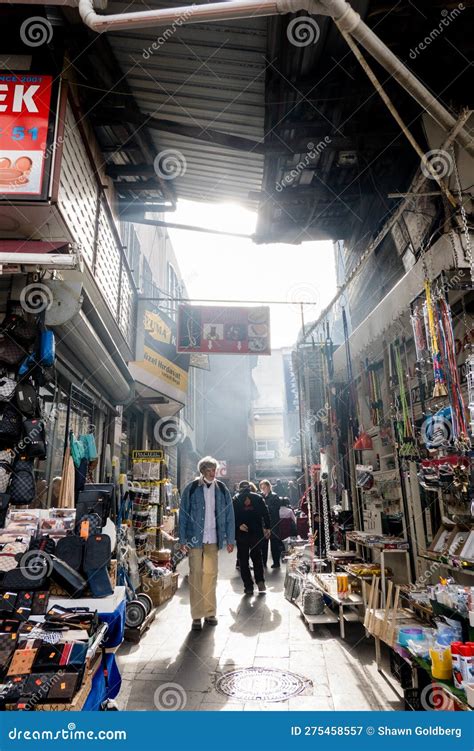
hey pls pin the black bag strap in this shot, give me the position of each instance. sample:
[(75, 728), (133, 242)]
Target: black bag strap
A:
[(195, 485)]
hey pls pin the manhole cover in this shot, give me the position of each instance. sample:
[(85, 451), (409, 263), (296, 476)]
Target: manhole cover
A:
[(261, 684)]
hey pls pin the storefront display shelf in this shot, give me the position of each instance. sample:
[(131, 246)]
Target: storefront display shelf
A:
[(363, 577), (454, 693), (346, 606), (317, 620), (390, 546), (454, 563)]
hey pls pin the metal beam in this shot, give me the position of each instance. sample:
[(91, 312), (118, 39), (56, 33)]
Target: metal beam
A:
[(113, 116)]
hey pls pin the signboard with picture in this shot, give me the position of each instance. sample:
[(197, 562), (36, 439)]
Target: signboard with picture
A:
[(26, 134), (224, 330)]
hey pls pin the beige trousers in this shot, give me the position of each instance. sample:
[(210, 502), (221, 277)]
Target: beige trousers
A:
[(203, 581)]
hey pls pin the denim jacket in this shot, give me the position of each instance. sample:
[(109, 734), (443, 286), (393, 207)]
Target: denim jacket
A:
[(191, 517)]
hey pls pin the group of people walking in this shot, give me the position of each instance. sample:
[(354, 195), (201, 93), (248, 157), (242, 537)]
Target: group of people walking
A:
[(210, 518)]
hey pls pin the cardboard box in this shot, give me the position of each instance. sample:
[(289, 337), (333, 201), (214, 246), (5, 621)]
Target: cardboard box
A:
[(161, 590)]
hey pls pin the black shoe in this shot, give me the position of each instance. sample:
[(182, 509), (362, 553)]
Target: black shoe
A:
[(248, 590), (275, 565), (211, 620), (196, 625)]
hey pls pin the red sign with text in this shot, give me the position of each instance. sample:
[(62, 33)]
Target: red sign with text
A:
[(224, 330), (25, 104)]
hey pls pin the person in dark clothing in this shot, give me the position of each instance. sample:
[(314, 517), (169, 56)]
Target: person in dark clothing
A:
[(252, 524), (273, 503)]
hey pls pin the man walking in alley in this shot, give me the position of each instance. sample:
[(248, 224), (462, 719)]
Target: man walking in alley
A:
[(206, 523), (252, 525), (273, 503)]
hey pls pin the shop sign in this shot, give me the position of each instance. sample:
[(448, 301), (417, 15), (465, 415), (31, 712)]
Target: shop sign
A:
[(291, 386), (222, 468), (160, 366), (224, 330), (26, 131), (155, 455), (264, 454)]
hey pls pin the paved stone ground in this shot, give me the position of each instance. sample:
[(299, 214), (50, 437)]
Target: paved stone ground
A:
[(263, 630)]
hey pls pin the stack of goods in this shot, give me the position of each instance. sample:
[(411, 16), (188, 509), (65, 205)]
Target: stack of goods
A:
[(27, 353), (456, 597), (46, 656), (64, 547), (141, 523), (366, 569), (443, 651), (387, 542)]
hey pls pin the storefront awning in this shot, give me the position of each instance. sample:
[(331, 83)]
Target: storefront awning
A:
[(33, 246), (15, 254)]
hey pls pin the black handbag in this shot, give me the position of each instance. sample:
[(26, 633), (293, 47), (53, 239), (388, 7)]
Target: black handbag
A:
[(4, 503), (93, 502), (10, 351), (34, 440), (22, 485), (10, 424), (26, 399), (45, 543), (15, 580), (70, 549), (67, 578)]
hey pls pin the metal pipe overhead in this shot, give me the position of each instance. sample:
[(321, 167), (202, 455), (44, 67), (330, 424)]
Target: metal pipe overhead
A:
[(340, 11)]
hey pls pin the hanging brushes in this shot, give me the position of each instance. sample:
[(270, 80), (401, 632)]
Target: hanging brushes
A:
[(408, 448), (440, 385)]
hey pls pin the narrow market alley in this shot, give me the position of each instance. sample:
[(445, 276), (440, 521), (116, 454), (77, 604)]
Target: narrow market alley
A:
[(175, 665)]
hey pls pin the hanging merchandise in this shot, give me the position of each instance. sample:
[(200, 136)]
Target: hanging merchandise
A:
[(419, 334), (448, 347), (437, 429), (407, 444), (364, 476), (22, 487), (375, 400), (7, 388), (440, 385), (470, 389)]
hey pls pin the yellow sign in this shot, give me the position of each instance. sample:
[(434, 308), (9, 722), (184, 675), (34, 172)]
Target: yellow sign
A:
[(162, 368), (157, 328)]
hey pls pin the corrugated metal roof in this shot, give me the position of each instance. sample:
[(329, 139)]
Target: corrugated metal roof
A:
[(210, 76)]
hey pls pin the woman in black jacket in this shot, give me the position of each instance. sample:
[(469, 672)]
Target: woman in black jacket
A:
[(252, 525)]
